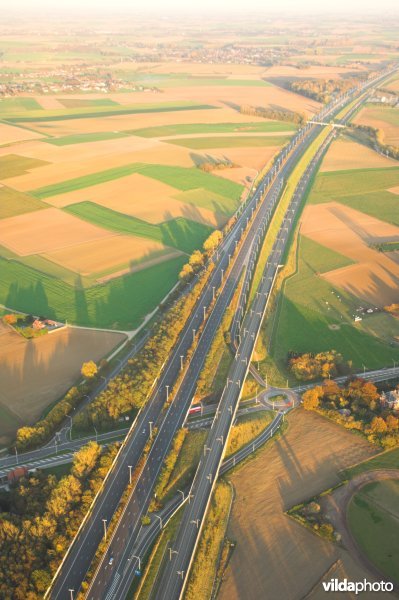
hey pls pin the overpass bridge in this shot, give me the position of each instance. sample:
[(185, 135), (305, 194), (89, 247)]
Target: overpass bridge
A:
[(336, 125)]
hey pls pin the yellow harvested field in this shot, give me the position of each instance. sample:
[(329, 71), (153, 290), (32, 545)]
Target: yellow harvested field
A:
[(10, 134), (141, 197), (375, 276), (106, 253), (254, 158), (241, 175), (255, 96), (45, 231), (222, 114), (35, 373), (345, 154), (275, 557), (314, 71), (93, 157), (49, 102)]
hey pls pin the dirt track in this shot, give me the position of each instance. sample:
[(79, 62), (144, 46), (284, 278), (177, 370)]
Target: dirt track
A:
[(275, 557), (337, 504)]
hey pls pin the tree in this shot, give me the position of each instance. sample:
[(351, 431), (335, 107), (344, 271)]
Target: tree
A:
[(196, 260), (213, 241), (311, 398), (85, 460), (89, 369), (186, 273), (378, 425), (392, 423)]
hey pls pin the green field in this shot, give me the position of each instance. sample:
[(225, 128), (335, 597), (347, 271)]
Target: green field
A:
[(181, 178), (180, 233), (14, 203), (87, 102), (385, 113), (201, 143), (193, 128), (206, 199), (191, 178), (389, 247), (84, 138), (333, 185), (95, 112), (120, 303), (373, 518), (308, 306), (12, 165), (18, 104), (384, 460)]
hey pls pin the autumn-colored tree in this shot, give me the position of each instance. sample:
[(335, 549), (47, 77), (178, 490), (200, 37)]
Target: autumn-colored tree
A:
[(213, 241), (11, 319), (311, 398), (196, 260), (89, 369), (85, 459), (364, 392), (378, 425), (392, 423), (186, 273)]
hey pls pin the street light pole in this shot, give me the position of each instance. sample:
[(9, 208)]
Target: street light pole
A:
[(150, 423), (160, 520), (130, 467), (105, 529), (167, 393), (71, 592), (181, 362)]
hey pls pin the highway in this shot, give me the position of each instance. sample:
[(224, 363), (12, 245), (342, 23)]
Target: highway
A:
[(79, 557), (173, 579)]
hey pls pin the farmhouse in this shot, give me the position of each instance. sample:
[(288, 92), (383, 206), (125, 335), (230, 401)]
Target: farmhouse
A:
[(390, 399)]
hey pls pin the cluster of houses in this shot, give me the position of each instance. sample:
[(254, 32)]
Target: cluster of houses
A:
[(39, 324), (390, 399)]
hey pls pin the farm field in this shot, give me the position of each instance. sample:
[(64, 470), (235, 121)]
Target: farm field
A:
[(108, 305), (316, 315), (374, 277), (373, 520), (384, 118), (345, 154), (304, 461), (338, 272), (35, 373)]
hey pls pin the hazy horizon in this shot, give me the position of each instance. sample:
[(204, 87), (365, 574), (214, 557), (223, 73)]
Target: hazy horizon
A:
[(357, 7)]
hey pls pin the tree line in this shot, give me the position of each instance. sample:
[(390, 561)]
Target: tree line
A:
[(321, 90), (356, 405), (273, 113), (309, 366)]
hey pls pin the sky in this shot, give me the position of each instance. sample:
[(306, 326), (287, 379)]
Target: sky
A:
[(164, 6)]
